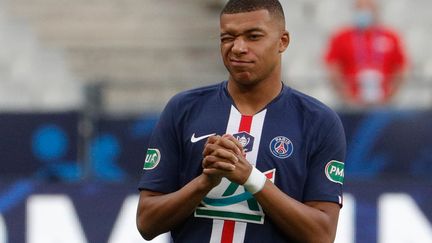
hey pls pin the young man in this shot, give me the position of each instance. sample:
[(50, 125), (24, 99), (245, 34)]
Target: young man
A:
[(249, 159)]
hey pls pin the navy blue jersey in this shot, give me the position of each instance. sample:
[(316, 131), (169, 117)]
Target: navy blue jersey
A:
[(296, 141)]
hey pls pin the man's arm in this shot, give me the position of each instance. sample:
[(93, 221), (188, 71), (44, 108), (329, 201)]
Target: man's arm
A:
[(309, 222), (397, 80), (158, 213), (304, 222), (335, 76), (399, 60)]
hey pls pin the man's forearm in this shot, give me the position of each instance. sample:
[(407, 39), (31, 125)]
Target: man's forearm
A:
[(396, 81), (315, 222), (158, 213), (310, 222)]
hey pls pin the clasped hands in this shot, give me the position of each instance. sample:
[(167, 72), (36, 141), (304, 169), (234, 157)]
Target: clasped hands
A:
[(224, 157)]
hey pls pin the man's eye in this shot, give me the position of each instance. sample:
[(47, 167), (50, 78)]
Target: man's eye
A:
[(254, 37)]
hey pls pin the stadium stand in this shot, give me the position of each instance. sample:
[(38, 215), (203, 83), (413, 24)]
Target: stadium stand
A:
[(142, 52), (33, 76), (167, 45)]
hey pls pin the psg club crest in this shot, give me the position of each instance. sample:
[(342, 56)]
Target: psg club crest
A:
[(281, 147), (246, 140)]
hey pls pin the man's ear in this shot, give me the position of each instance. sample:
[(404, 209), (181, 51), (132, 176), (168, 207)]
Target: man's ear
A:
[(284, 41)]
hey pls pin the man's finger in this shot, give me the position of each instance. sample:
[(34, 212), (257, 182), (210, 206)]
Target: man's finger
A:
[(236, 142), (221, 151), (231, 144), (217, 171), (214, 161), (210, 148), (213, 139), (233, 139), (226, 155), (217, 163)]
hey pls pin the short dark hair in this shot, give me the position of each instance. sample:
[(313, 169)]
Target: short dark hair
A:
[(242, 6)]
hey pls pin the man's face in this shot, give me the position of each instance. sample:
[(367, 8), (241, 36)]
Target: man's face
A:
[(366, 12), (251, 45)]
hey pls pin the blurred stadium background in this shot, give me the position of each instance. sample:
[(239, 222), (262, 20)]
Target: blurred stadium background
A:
[(82, 84)]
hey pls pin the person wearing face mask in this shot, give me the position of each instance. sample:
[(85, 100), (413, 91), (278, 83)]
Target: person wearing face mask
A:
[(366, 61)]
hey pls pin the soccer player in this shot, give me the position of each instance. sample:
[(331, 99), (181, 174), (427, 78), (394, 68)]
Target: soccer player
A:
[(248, 159)]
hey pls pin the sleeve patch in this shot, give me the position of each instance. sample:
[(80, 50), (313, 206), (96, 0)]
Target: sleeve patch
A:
[(152, 159), (334, 170)]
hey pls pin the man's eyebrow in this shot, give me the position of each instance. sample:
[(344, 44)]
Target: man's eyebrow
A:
[(224, 34), (254, 30), (257, 29)]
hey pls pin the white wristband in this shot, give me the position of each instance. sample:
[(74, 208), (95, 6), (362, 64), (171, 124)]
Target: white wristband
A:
[(255, 182)]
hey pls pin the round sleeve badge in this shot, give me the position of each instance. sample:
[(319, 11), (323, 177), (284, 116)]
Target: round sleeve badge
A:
[(281, 147), (152, 159), (334, 171)]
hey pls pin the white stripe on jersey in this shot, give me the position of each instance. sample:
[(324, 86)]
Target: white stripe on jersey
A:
[(255, 131), (239, 232), (216, 235), (233, 121)]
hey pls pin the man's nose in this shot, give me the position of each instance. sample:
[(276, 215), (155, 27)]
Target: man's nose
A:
[(239, 47)]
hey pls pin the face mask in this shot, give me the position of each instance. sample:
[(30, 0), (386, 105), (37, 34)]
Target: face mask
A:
[(363, 18)]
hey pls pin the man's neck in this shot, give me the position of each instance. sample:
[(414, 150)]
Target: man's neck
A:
[(250, 99), (369, 29)]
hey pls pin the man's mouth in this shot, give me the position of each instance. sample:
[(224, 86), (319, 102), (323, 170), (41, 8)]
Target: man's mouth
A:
[(240, 63)]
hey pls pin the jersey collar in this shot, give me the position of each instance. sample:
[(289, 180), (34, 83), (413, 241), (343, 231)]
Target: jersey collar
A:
[(284, 91)]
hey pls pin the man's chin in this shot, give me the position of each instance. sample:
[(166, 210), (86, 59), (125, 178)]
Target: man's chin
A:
[(244, 78), (245, 82)]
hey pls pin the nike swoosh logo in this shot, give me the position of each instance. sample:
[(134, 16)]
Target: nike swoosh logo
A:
[(196, 139)]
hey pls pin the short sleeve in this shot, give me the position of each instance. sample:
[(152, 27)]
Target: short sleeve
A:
[(326, 163), (160, 169), (399, 56)]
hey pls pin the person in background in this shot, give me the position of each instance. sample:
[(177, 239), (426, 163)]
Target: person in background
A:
[(366, 62)]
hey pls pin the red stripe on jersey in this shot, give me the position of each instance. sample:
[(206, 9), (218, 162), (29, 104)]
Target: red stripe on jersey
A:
[(269, 175), (228, 231), (245, 124)]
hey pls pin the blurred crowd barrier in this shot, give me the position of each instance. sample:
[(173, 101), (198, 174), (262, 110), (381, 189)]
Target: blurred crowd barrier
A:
[(73, 176), (382, 143)]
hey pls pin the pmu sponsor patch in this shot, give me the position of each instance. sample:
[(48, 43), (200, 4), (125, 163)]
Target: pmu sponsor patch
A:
[(152, 159), (334, 170)]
